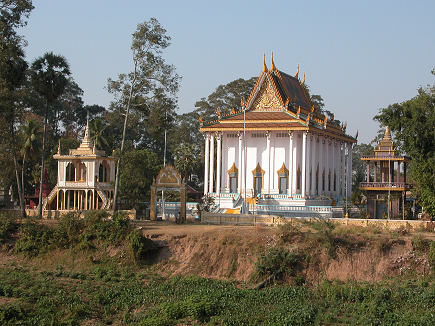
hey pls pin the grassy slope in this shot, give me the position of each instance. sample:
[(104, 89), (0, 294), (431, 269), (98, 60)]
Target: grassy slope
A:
[(96, 279)]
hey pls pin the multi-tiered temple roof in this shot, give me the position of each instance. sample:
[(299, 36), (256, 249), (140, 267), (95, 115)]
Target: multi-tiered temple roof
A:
[(278, 101)]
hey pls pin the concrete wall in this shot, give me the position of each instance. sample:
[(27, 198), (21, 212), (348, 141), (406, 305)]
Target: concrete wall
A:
[(240, 219)]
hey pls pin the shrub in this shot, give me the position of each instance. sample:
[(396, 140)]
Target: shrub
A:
[(97, 225), (35, 238), (431, 256), (8, 226), (141, 247), (279, 263), (67, 233)]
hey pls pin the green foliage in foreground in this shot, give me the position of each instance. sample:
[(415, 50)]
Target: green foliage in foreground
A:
[(109, 295)]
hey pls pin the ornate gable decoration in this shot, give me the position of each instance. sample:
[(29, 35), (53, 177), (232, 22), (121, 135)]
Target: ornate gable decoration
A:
[(266, 98), (168, 177)]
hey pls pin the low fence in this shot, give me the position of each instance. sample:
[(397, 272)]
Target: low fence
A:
[(252, 220)]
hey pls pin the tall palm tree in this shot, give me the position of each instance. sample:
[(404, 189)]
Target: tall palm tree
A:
[(98, 135), (31, 134), (186, 159), (49, 77)]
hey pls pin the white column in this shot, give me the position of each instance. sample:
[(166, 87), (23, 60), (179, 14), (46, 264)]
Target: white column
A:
[(211, 177), (239, 177), (349, 164), (308, 165), (333, 166), (206, 162), (268, 160), (304, 154), (313, 164), (295, 164), (218, 163), (320, 162), (327, 167), (290, 164), (342, 169)]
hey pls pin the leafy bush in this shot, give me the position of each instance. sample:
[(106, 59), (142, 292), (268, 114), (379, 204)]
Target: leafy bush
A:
[(431, 256), (8, 225), (69, 228), (97, 225), (141, 247), (34, 239), (279, 263)]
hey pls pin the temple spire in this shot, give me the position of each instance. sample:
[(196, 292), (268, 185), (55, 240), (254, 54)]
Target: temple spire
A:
[(273, 64), (303, 80), (264, 63), (297, 72), (387, 135)]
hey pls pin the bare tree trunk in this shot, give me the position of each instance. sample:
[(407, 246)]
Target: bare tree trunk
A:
[(115, 195), (22, 174), (20, 193), (42, 163)]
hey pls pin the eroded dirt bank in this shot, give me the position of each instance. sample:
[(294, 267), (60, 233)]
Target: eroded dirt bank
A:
[(231, 252)]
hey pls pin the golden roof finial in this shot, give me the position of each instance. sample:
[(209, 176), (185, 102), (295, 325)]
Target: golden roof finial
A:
[(303, 80), (264, 63), (387, 135), (273, 64), (297, 72)]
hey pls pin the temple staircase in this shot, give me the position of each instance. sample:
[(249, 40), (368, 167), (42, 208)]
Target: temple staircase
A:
[(106, 202), (47, 200)]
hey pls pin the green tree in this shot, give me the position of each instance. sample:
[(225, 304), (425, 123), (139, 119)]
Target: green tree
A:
[(412, 123), (225, 98), (359, 167), (98, 131), (49, 78), (138, 169), (31, 133), (151, 75), (187, 159), (13, 14)]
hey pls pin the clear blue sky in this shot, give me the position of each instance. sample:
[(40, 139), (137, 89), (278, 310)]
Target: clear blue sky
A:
[(359, 55)]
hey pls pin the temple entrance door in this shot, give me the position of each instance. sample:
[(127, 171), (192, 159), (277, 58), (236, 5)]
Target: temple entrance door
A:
[(257, 185), (283, 185), (233, 184)]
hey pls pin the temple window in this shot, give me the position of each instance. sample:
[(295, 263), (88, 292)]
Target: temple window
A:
[(70, 172), (317, 180), (104, 172), (335, 182), (329, 180)]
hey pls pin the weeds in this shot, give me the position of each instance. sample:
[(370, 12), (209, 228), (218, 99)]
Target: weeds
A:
[(279, 263)]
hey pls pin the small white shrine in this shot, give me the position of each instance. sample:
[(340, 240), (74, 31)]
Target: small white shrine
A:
[(85, 179), (277, 150)]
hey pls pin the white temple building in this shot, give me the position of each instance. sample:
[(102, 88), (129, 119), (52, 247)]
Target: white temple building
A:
[(277, 149), (85, 179)]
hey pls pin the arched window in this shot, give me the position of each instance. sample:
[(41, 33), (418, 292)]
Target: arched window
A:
[(82, 172), (70, 172), (104, 172), (335, 182)]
